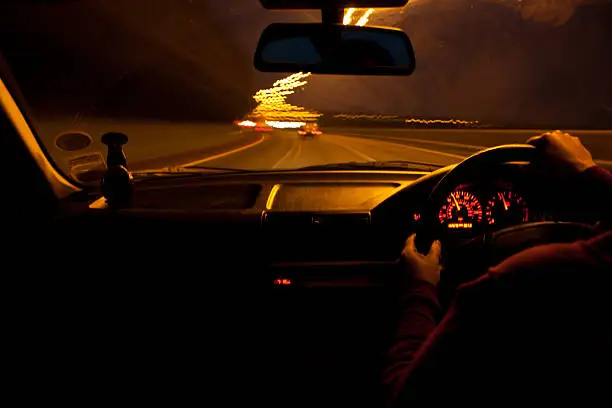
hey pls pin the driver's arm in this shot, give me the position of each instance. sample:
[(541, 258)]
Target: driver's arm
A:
[(567, 159), (595, 188), (512, 319), (424, 358), (419, 309), (421, 368)]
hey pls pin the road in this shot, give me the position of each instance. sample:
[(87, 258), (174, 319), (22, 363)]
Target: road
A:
[(155, 146), (285, 149)]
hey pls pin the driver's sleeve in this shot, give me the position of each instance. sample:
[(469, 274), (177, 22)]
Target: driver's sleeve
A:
[(524, 314), (421, 348), (419, 308), (595, 183)]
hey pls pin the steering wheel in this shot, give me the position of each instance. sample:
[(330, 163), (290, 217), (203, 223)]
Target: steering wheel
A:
[(490, 248)]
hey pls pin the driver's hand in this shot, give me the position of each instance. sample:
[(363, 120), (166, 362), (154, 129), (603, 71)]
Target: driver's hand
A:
[(419, 266), (563, 149)]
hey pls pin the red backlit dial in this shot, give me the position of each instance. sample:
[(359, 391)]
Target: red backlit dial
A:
[(461, 210), (506, 208)]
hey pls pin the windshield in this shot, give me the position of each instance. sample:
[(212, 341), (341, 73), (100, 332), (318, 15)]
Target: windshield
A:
[(177, 78)]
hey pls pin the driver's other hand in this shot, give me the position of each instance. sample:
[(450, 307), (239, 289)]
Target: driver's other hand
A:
[(564, 149), (419, 266)]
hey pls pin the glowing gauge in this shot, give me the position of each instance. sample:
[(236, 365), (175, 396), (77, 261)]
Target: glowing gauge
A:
[(461, 210), (506, 208)]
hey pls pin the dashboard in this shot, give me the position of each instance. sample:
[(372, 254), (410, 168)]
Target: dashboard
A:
[(311, 229), (351, 218)]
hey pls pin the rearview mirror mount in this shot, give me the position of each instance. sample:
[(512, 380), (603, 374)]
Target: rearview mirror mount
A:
[(334, 49)]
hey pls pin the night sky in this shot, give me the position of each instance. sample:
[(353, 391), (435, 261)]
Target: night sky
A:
[(487, 60)]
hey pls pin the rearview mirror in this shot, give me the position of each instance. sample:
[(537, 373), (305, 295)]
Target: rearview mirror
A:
[(319, 4), (334, 49)]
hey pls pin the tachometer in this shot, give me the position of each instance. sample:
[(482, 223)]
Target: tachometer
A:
[(506, 208), (461, 210)]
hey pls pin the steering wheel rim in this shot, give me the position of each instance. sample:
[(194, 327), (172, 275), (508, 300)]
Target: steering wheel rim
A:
[(505, 153), (480, 161), (495, 155)]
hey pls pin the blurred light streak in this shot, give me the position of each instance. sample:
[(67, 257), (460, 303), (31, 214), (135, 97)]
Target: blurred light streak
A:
[(365, 17), (272, 102), (284, 125), (351, 116), (363, 116), (348, 16), (442, 121)]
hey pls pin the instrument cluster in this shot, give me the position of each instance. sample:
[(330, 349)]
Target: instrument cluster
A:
[(471, 208)]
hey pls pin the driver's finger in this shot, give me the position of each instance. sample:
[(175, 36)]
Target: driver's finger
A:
[(537, 141), (410, 246), (435, 251)]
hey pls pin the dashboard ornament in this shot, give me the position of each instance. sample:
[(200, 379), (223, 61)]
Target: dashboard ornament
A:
[(117, 181)]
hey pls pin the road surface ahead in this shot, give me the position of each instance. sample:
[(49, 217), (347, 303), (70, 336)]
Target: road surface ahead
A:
[(285, 149), (159, 145)]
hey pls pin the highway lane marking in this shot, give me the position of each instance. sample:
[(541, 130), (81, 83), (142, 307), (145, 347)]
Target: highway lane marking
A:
[(298, 151), (430, 151), (227, 153), (293, 145), (350, 149)]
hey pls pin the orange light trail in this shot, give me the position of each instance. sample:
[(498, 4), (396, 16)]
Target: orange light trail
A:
[(348, 16), (365, 17), (364, 116), (272, 102), (443, 121)]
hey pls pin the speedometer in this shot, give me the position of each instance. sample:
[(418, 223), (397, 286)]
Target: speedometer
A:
[(461, 210), (507, 208)]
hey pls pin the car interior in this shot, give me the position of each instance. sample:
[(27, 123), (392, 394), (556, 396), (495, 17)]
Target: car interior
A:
[(276, 287), (287, 276)]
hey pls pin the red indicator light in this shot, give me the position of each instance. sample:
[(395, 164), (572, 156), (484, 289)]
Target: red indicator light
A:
[(282, 281), (417, 216)]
